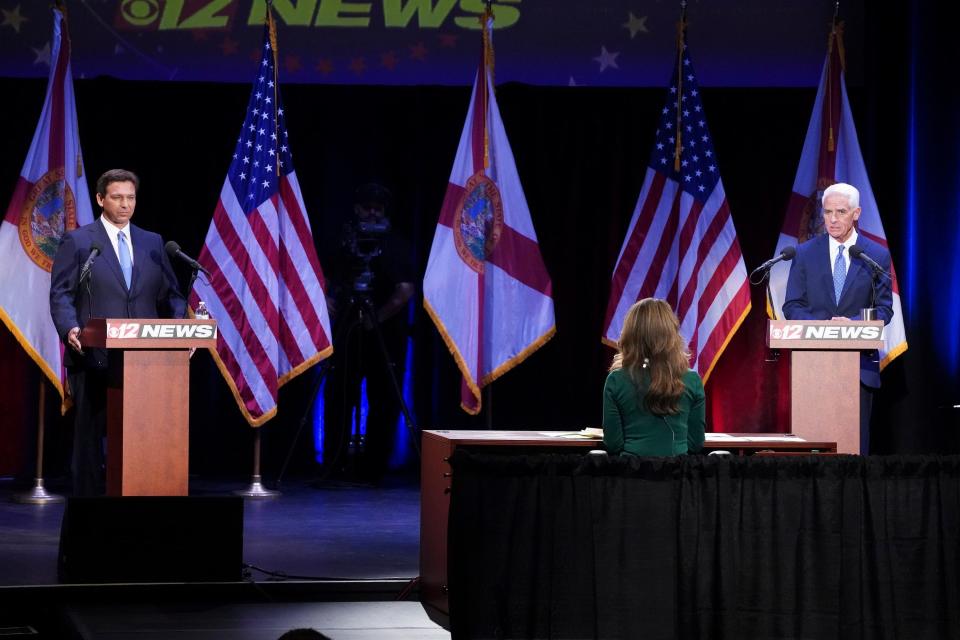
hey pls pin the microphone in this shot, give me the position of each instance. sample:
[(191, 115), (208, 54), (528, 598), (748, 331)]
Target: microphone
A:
[(173, 250), (88, 264), (786, 254), (858, 252)]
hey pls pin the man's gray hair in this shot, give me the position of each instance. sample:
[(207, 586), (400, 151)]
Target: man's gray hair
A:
[(843, 189)]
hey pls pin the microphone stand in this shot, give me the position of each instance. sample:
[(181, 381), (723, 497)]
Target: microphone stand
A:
[(871, 312), (194, 272), (764, 274)]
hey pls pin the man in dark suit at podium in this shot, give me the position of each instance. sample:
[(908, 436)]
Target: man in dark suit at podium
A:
[(106, 269), (827, 282)]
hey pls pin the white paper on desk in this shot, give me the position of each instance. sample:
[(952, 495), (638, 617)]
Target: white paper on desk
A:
[(774, 439), (585, 434), (717, 436)]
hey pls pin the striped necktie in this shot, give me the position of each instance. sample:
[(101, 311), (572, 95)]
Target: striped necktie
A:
[(126, 265), (839, 273)]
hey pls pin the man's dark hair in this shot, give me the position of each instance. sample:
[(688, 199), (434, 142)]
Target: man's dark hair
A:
[(116, 175), (372, 192)]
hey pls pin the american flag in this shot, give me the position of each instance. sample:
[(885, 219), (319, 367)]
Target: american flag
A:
[(266, 291), (681, 245)]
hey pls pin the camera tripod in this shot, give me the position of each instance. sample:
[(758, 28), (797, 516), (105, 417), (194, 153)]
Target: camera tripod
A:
[(358, 312)]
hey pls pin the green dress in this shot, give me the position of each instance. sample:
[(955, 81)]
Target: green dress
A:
[(628, 426)]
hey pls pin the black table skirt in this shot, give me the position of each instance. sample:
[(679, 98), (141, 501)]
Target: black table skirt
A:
[(574, 546)]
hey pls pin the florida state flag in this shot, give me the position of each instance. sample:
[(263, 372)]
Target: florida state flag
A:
[(486, 287), (831, 153), (50, 199)]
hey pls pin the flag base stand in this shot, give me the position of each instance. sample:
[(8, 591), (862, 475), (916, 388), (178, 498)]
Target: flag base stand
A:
[(256, 490), (38, 495)]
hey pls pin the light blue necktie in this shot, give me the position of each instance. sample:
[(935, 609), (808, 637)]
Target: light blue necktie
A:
[(839, 273), (126, 265)]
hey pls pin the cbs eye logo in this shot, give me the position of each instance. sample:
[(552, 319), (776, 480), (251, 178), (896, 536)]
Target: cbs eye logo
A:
[(139, 13)]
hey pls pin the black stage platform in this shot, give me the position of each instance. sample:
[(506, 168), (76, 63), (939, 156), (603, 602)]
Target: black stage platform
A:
[(339, 557)]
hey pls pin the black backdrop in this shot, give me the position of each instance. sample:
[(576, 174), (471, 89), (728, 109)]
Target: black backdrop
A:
[(581, 154)]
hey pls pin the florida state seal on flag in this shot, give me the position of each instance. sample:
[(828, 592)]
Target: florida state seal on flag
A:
[(486, 287)]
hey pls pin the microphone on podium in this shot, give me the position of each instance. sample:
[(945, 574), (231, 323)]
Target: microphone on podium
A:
[(859, 253), (173, 250), (88, 264), (786, 254)]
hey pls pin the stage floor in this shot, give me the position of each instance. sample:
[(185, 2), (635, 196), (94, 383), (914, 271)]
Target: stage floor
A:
[(333, 557)]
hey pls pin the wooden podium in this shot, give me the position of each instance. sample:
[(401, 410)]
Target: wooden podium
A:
[(825, 375), (148, 400)]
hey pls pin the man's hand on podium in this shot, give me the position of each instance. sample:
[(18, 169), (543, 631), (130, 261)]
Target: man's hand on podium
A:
[(73, 339)]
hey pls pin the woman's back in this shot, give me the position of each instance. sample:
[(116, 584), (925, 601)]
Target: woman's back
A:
[(629, 425)]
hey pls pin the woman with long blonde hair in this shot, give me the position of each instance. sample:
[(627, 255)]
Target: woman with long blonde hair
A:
[(653, 403)]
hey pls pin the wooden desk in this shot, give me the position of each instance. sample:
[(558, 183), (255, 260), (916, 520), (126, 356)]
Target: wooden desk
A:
[(435, 475)]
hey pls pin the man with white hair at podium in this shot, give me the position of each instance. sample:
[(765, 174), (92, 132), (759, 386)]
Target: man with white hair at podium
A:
[(837, 274)]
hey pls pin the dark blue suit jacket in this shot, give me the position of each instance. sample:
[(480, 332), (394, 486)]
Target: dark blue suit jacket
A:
[(810, 294), (153, 291)]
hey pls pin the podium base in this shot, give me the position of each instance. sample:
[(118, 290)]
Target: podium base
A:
[(38, 495), (256, 490)]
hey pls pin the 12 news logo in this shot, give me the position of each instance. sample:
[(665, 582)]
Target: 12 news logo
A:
[(132, 330), (825, 332)]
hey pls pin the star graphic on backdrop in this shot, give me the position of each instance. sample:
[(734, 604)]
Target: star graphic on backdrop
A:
[(229, 46), (13, 19), (358, 66), (389, 60), (447, 40), (418, 52), (572, 82), (607, 59), (324, 66), (43, 55), (292, 64), (636, 25)]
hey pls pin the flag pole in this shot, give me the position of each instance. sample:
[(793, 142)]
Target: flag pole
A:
[(39, 494), (678, 132), (256, 488), (488, 59), (488, 404)]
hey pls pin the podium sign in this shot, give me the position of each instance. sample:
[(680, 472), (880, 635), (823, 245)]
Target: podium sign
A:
[(148, 400), (825, 375)]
